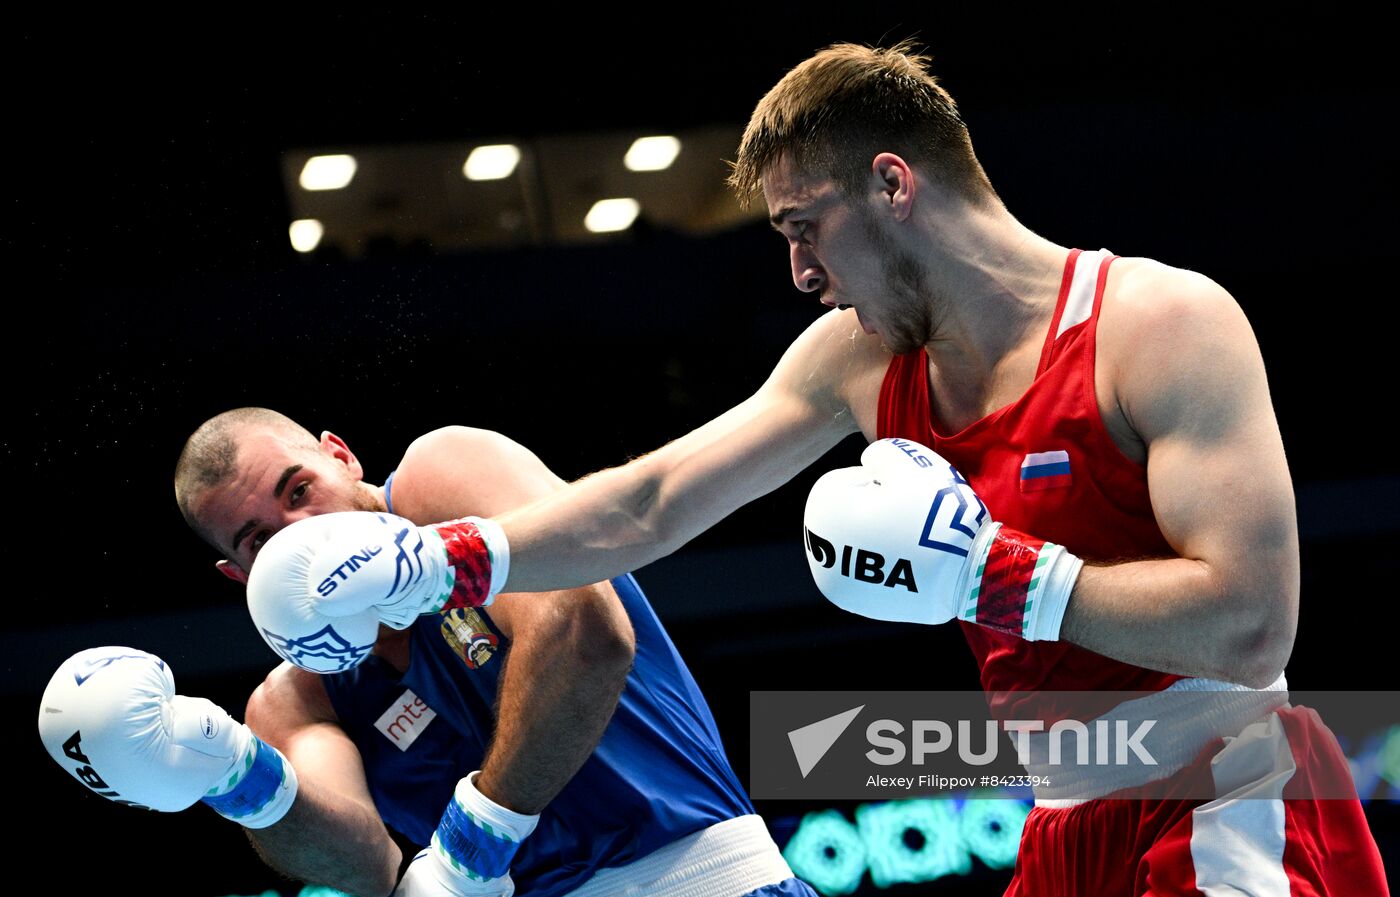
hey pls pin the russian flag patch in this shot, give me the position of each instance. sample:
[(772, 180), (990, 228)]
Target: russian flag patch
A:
[(1045, 470)]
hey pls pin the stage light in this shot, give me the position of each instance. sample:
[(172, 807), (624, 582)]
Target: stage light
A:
[(1390, 757), (904, 842), (652, 153), (491, 163), (327, 172), (912, 841), (609, 215), (991, 829), (827, 853), (306, 234)]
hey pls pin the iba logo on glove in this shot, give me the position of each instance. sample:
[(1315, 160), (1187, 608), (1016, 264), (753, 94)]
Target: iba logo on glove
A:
[(861, 564)]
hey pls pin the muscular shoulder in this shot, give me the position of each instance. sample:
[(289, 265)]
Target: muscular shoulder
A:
[(1152, 300), (287, 701), (1168, 337), (835, 367), (456, 471)]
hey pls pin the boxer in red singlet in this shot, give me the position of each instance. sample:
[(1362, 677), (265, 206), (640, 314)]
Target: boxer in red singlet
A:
[(1117, 407), (1101, 508)]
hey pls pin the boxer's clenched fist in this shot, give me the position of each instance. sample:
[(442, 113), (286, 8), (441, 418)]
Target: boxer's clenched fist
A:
[(904, 537), (472, 849), (110, 716), (321, 586)]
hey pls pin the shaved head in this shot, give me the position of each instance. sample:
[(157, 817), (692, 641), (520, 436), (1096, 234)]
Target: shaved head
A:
[(208, 458)]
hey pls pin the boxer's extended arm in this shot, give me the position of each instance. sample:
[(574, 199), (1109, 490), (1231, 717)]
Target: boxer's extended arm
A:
[(570, 651), (626, 517), (1190, 381), (332, 834)]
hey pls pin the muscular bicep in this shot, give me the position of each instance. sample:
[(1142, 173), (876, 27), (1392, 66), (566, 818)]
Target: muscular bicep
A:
[(1194, 388)]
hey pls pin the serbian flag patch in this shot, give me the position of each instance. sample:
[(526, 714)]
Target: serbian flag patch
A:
[(1045, 470)]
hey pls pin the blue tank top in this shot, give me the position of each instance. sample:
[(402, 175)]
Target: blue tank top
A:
[(659, 773)]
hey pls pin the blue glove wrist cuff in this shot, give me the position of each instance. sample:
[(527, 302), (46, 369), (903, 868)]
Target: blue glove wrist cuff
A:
[(262, 778), (471, 845)]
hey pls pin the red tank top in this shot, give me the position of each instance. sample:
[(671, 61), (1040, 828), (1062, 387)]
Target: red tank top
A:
[(1045, 465)]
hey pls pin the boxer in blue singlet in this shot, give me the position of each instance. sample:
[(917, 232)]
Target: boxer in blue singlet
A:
[(574, 706)]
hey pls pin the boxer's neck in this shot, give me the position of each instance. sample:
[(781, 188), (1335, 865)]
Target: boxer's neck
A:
[(392, 646), (992, 282)]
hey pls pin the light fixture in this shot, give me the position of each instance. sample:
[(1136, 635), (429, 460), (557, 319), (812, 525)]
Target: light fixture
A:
[(306, 234), (491, 163), (327, 172), (609, 215), (652, 153)]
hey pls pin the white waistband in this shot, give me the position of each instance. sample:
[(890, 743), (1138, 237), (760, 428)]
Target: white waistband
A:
[(727, 859), (1194, 711)]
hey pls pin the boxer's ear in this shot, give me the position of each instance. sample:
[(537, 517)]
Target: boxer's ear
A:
[(334, 446), (895, 183), (232, 571)]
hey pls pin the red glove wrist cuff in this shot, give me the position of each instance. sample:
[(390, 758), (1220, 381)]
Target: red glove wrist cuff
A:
[(471, 563), (1006, 579)]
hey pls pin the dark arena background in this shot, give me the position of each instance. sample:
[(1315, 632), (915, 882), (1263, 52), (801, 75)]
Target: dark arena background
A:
[(153, 170)]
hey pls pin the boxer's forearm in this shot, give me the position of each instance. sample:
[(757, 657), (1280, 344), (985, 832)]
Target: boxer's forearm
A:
[(332, 834), (621, 519), (329, 840), (561, 684), (1184, 616), (624, 518)]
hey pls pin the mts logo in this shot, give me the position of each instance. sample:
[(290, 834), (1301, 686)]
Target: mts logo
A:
[(862, 564), (349, 565), (405, 720)]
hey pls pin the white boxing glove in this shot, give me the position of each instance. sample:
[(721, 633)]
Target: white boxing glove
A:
[(110, 716), (471, 851), (320, 587), (428, 876), (903, 537)]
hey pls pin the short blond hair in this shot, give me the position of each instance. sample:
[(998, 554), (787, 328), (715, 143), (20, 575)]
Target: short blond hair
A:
[(836, 111), (210, 454)]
